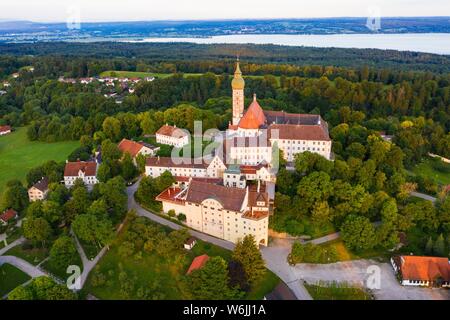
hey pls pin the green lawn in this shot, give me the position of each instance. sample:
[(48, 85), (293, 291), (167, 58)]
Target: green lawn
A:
[(12, 237), (426, 169), (10, 278), (345, 254), (18, 155), (335, 291), (33, 256), (61, 272)]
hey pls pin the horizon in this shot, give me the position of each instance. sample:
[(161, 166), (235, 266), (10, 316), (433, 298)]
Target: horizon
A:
[(223, 19), (54, 11)]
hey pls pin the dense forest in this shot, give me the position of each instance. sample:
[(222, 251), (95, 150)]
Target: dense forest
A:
[(264, 54)]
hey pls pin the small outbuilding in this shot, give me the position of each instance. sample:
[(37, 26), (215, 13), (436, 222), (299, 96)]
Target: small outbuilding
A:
[(190, 243)]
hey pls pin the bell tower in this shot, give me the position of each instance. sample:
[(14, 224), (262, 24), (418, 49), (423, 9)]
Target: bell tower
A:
[(238, 85)]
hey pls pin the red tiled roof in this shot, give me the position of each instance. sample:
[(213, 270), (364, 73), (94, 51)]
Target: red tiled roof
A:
[(171, 131), (72, 168), (8, 215), (131, 147), (169, 195), (5, 128), (254, 118), (248, 169), (254, 197), (281, 117), (198, 263), (255, 214), (299, 132), (424, 268), (229, 198)]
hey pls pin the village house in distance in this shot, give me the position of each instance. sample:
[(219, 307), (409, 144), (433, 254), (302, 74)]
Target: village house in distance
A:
[(232, 194)]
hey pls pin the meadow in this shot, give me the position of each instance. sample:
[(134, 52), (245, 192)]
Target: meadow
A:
[(18, 155)]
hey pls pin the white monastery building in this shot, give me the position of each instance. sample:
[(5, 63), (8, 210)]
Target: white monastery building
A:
[(253, 134), (226, 213), (231, 195)]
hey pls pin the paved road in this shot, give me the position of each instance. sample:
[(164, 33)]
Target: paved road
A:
[(423, 196), (23, 265), (274, 256), (324, 239), (88, 264), (12, 245), (356, 272)]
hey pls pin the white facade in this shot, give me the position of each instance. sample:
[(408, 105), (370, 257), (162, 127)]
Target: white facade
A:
[(210, 217), (234, 180), (5, 132), (69, 181), (146, 151), (172, 136), (292, 147), (172, 141), (214, 169), (251, 155)]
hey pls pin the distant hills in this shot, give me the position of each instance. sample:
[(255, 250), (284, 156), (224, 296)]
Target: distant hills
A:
[(26, 31)]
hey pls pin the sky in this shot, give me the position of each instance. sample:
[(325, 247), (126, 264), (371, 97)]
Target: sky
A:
[(141, 10)]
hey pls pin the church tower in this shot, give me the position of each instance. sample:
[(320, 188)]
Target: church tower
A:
[(238, 85)]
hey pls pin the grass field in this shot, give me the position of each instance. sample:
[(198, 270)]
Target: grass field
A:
[(59, 272), (10, 278), (18, 155), (335, 291), (344, 254), (33, 256), (426, 169)]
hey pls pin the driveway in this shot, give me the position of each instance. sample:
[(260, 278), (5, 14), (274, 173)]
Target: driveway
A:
[(356, 272), (23, 265), (423, 196), (88, 264), (275, 256), (12, 245)]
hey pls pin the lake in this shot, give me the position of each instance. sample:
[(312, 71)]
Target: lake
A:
[(438, 43)]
